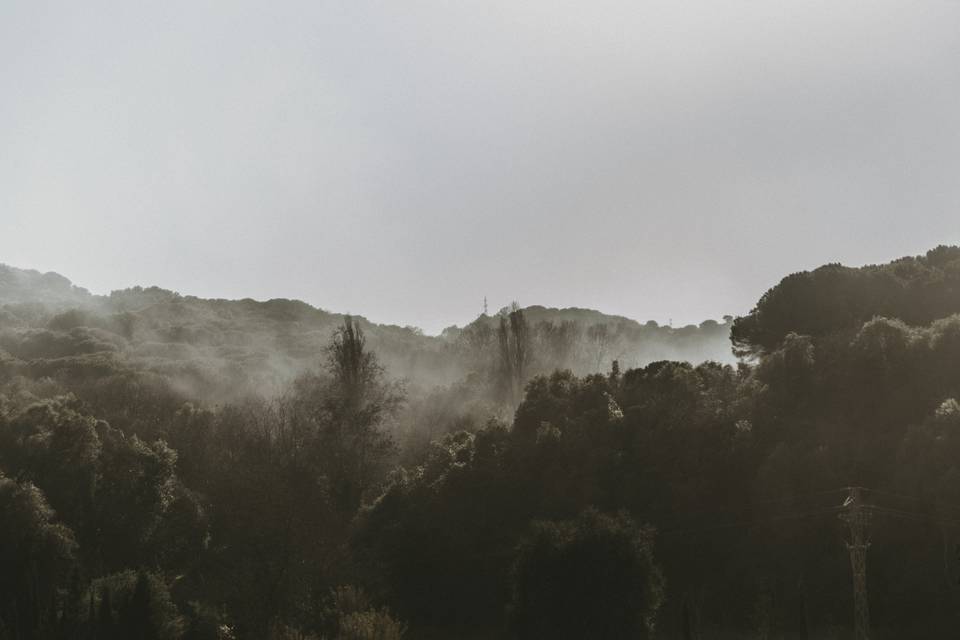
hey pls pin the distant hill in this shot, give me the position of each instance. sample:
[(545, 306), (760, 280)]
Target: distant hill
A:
[(27, 285), (603, 338), (215, 348)]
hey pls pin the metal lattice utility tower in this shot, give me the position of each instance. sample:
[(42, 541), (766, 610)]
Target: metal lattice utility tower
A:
[(857, 517)]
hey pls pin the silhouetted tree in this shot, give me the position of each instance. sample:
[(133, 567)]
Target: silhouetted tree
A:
[(352, 437), (514, 341)]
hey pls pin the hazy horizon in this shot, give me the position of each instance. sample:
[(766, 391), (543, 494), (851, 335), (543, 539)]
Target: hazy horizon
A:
[(493, 307), (649, 160)]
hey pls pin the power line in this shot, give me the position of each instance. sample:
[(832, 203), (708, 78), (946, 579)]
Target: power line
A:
[(924, 501), (802, 495), (909, 515), (749, 523), (746, 506), (896, 495)]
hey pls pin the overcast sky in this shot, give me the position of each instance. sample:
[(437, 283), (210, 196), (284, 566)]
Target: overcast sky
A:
[(402, 160)]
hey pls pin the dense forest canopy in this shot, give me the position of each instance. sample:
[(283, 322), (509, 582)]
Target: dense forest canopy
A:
[(916, 290), (172, 467)]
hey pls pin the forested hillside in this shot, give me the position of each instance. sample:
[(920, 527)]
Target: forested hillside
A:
[(172, 467), (220, 350)]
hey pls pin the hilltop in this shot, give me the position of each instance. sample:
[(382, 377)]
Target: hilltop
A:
[(213, 348)]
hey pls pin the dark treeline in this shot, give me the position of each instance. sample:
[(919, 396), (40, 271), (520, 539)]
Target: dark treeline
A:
[(533, 498)]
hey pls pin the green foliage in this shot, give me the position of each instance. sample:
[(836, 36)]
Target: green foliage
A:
[(36, 560), (169, 470), (593, 577), (134, 605), (53, 444), (459, 514), (355, 618), (917, 290), (370, 625), (206, 623)]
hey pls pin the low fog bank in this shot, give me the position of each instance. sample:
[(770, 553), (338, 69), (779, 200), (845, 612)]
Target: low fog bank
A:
[(217, 351)]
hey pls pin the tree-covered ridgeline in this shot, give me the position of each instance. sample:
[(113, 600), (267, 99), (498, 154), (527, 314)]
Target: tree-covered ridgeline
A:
[(219, 351), (520, 500)]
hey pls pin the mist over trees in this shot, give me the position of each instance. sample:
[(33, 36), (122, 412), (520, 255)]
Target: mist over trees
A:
[(219, 351), (172, 467)]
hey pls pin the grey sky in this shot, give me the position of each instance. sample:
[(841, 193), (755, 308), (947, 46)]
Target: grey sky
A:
[(403, 159)]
